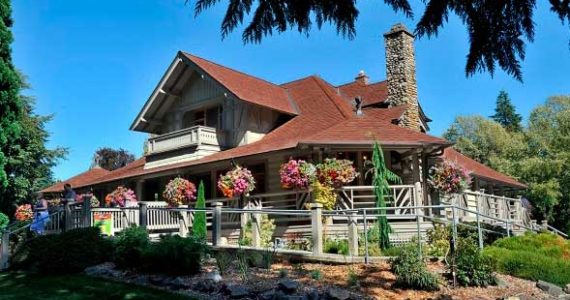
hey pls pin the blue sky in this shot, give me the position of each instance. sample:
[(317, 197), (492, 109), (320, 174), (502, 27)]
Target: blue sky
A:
[(93, 63)]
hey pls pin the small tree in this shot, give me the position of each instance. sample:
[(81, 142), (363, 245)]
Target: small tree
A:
[(505, 113), (381, 177), (112, 159), (199, 224)]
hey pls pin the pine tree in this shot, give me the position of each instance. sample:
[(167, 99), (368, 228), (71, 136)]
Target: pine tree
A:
[(11, 106), (199, 224), (381, 176), (505, 113)]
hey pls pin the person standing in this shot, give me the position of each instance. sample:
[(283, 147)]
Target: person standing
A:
[(69, 194), (41, 215)]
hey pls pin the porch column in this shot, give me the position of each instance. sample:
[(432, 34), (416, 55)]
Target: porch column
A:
[(139, 188), (416, 167), (317, 228), (353, 235)]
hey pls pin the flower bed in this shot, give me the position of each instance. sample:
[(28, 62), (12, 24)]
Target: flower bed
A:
[(179, 191)]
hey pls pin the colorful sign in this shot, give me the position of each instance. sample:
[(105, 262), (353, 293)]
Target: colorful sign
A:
[(104, 220)]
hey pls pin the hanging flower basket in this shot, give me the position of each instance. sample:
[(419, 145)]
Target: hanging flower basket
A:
[(179, 191), (122, 197), (93, 200), (24, 213), (449, 178), (336, 172), (297, 174), (236, 182)]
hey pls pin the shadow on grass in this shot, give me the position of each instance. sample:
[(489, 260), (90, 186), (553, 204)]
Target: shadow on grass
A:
[(74, 287)]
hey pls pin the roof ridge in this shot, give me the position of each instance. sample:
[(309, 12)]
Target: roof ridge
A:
[(295, 80), (231, 69), (352, 82), (320, 83)]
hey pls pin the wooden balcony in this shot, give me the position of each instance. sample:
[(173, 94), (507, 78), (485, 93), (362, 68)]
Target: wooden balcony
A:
[(188, 137)]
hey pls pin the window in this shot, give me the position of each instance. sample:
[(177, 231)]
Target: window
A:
[(199, 118), (211, 117)]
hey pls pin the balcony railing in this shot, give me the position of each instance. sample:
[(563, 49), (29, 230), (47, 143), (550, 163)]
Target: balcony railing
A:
[(187, 137)]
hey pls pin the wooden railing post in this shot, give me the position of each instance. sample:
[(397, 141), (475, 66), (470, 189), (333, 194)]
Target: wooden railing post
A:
[(5, 251), (183, 221), (317, 228), (217, 224), (353, 234), (87, 211), (68, 224), (143, 214), (256, 228)]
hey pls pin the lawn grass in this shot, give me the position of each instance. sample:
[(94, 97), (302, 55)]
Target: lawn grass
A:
[(74, 287)]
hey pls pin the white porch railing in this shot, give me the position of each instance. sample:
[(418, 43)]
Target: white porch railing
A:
[(192, 136), (499, 207), (400, 196)]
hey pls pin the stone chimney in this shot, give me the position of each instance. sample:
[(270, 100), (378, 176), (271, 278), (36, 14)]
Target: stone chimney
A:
[(362, 78), (401, 74)]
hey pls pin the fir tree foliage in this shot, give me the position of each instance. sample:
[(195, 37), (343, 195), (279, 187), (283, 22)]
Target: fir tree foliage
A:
[(505, 113), (498, 30), (381, 179), (199, 223), (25, 161)]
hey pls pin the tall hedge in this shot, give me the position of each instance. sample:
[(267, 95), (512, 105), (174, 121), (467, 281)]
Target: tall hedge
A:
[(199, 225)]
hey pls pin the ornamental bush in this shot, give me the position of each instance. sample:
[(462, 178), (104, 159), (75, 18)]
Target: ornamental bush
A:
[(336, 246), (411, 271), (4, 220), (175, 255), (199, 223), (130, 245), (533, 256), (69, 252), (473, 269)]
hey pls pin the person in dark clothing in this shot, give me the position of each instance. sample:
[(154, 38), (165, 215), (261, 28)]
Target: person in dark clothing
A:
[(68, 193)]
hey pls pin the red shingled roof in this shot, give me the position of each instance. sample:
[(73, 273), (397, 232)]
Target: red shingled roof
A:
[(480, 170), (82, 179), (374, 124), (371, 93), (246, 87)]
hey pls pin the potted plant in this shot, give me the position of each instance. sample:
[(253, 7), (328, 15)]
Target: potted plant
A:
[(121, 197), (179, 191), (297, 174)]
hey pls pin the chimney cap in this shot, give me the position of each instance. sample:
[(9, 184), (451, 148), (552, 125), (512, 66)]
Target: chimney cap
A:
[(397, 29), (362, 77)]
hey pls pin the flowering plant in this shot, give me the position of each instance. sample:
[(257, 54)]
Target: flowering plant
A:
[(179, 191), (121, 196), (93, 200), (297, 174), (24, 212), (336, 172), (236, 182), (449, 178)]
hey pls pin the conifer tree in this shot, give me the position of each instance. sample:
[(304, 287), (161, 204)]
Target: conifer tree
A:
[(505, 113), (381, 176), (199, 224)]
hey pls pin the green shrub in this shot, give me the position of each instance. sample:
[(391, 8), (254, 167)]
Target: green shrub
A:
[(352, 277), (396, 251), (175, 255), (267, 228), (411, 271), (316, 274), (438, 240), (532, 256), (130, 245), (223, 261), (69, 252), (490, 233), (473, 269), (336, 246), (4, 220), (199, 223)]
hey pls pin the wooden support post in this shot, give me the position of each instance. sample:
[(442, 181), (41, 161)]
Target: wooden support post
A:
[(183, 221), (5, 251), (139, 188), (67, 217), (256, 229), (353, 235), (86, 209), (317, 228), (217, 224), (418, 199), (143, 214)]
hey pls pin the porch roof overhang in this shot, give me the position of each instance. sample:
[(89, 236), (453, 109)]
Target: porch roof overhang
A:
[(235, 85)]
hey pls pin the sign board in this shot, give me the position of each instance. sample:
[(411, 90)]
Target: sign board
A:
[(104, 220)]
